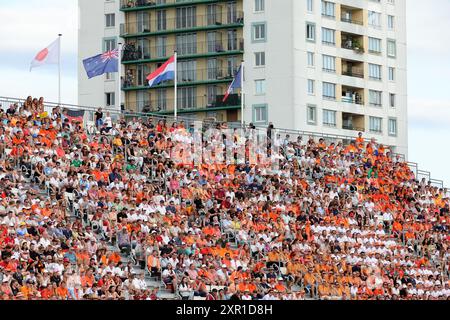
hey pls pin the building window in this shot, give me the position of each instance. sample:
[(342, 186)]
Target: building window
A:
[(391, 48), (212, 14), (186, 17), (259, 32), (259, 5), (375, 19), (375, 98), (110, 20), (329, 118), (142, 101), (311, 85), (109, 44), (231, 12), (109, 76), (328, 9), (328, 63), (310, 5), (260, 114), (329, 90), (142, 73), (391, 22), (212, 95), (186, 43), (232, 40), (161, 99), (310, 59), (310, 31), (212, 69), (110, 99), (260, 86), (187, 71), (232, 66), (392, 127), (328, 36), (392, 100), (161, 22), (374, 71), (391, 74), (374, 45), (161, 47), (214, 44), (187, 98), (311, 114), (375, 124), (143, 48), (143, 22), (260, 59)]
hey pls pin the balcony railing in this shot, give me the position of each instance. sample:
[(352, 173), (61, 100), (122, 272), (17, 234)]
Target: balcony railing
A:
[(154, 25), (184, 103), (354, 99), (132, 52), (353, 72), (349, 19), (127, 4), (141, 4), (213, 75), (353, 128)]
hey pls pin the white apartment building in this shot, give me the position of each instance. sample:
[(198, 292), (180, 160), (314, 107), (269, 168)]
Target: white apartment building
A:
[(98, 31), (336, 67)]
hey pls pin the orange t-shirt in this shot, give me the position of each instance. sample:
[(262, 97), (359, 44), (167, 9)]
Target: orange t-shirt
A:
[(62, 292)]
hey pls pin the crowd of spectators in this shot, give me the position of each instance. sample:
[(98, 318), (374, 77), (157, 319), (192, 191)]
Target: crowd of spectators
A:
[(80, 213)]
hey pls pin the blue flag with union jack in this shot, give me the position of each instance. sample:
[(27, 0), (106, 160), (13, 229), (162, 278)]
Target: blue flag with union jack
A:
[(103, 63)]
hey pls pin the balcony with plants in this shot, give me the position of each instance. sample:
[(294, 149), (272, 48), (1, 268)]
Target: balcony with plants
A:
[(145, 50), (145, 24), (353, 42), (135, 77), (137, 5)]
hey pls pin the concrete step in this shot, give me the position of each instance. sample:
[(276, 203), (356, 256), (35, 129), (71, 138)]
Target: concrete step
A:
[(153, 284), (165, 294)]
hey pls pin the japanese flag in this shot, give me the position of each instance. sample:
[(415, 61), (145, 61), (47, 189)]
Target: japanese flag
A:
[(49, 55)]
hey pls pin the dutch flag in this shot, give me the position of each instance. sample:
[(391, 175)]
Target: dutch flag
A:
[(163, 73)]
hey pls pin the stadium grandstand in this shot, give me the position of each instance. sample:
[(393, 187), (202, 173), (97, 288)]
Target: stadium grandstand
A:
[(93, 206)]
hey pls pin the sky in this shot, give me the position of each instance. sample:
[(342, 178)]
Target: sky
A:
[(28, 26)]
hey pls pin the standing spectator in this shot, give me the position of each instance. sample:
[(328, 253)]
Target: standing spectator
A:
[(98, 118)]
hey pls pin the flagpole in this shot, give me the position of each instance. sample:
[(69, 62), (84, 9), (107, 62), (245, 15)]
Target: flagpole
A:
[(176, 87), (242, 94), (119, 93), (59, 69)]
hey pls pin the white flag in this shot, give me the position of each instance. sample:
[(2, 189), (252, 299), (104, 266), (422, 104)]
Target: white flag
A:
[(49, 55)]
